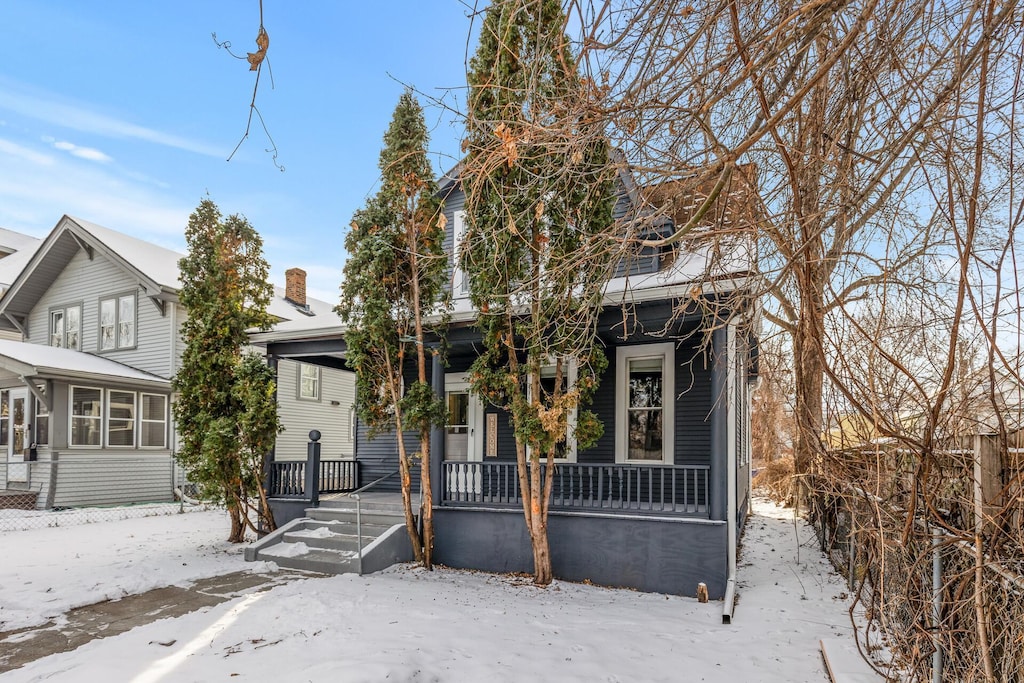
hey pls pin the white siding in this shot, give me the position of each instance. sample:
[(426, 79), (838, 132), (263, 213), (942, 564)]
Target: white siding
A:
[(87, 281), (301, 416)]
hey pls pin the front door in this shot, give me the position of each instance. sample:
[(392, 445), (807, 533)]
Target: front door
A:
[(14, 432), (463, 436)]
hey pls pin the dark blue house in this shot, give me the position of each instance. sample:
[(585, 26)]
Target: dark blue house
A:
[(658, 503)]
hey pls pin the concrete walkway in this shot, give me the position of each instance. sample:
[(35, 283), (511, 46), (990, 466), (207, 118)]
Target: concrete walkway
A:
[(114, 617)]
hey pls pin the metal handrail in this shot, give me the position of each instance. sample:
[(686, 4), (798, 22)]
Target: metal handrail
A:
[(359, 516)]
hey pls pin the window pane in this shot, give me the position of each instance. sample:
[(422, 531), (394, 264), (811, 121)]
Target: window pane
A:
[(85, 401), (86, 411), (107, 324), (5, 407), (85, 431), (645, 435), (126, 321), (57, 328), (645, 384), (73, 323), (18, 410), (154, 421), (153, 434), (42, 430), (121, 419), (309, 382), (458, 413), (154, 407)]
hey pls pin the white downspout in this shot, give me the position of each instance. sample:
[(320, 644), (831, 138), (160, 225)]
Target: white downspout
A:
[(730, 486)]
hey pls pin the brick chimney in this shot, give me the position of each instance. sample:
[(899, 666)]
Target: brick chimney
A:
[(295, 286)]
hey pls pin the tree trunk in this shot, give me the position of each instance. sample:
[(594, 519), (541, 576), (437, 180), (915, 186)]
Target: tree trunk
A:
[(237, 525), (542, 573), (427, 507), (405, 476)]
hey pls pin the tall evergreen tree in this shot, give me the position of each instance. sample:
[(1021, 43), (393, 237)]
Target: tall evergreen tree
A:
[(225, 408), (394, 278), (539, 198)]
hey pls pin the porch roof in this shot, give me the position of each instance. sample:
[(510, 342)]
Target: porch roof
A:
[(48, 362)]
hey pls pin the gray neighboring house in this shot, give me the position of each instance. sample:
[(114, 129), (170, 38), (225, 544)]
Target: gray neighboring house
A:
[(15, 250), (659, 502), (85, 390)]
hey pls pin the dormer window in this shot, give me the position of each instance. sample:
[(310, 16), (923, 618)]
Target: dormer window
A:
[(66, 327), (117, 322)]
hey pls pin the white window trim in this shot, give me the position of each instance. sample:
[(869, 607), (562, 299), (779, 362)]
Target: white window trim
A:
[(570, 435), (143, 421), (72, 416), (107, 417), (460, 284), (319, 382), (623, 354)]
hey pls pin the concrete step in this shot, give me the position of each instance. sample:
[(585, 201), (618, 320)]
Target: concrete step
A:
[(327, 541), (331, 546), (388, 505), (344, 526), (302, 556), (383, 518)]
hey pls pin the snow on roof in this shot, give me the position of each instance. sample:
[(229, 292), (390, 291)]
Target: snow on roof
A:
[(320, 314), (158, 263), (37, 359), (12, 264), (11, 241), (161, 265)]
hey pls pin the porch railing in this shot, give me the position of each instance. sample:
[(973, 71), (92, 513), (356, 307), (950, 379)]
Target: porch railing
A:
[(660, 489), (288, 479)]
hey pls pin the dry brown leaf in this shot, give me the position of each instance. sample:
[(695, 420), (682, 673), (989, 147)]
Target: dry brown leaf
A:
[(263, 43)]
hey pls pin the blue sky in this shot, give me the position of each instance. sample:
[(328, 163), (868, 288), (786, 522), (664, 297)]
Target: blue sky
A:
[(124, 113)]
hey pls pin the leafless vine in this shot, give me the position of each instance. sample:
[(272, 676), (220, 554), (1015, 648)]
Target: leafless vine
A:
[(255, 61)]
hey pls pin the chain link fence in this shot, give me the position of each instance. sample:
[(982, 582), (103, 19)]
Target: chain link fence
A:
[(941, 602), (66, 492)]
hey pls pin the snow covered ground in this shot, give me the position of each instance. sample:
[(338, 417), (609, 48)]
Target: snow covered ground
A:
[(406, 624)]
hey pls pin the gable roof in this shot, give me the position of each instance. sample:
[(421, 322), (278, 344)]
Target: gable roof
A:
[(155, 268)]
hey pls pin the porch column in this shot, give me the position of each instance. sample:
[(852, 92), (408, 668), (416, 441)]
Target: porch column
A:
[(436, 432), (719, 422)]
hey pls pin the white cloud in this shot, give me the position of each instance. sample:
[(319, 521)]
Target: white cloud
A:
[(36, 189), (24, 153), (87, 153), (44, 106)]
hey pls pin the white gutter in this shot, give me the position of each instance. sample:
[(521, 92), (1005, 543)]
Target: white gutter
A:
[(730, 485)]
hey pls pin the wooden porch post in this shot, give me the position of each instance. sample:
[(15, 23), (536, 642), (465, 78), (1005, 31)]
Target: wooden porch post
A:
[(719, 422), (436, 432)]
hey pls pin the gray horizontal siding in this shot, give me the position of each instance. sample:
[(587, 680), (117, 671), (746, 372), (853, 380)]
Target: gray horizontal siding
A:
[(378, 456), (86, 282), (301, 416), (89, 478)]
